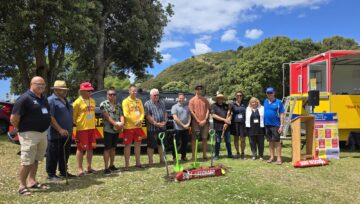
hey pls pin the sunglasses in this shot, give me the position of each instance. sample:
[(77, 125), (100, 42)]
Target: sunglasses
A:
[(239, 95), (112, 94), (156, 95), (269, 92)]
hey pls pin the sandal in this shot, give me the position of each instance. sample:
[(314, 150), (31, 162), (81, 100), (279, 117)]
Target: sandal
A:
[(81, 174), (24, 191), (39, 186), (140, 166), (269, 161), (278, 162), (91, 171)]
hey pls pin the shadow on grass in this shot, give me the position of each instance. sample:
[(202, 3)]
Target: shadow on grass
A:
[(76, 183)]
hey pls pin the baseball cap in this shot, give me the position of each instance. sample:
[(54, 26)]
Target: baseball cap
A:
[(270, 89)]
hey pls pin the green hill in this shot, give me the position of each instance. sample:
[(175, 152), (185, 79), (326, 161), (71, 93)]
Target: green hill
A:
[(250, 69)]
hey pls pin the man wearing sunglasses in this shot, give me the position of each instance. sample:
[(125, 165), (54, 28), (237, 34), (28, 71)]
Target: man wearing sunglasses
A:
[(273, 121), (113, 123)]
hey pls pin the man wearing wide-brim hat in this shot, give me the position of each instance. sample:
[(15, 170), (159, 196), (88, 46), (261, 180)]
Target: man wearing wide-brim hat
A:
[(59, 131), (222, 119), (220, 97)]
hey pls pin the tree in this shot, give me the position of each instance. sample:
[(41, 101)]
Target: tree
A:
[(127, 34), (40, 32), (111, 81), (175, 86)]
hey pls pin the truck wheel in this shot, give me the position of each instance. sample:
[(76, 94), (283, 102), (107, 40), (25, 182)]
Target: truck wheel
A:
[(4, 127)]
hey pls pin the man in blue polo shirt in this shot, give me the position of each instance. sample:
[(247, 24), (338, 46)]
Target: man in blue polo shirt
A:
[(31, 116), (273, 121), (59, 132)]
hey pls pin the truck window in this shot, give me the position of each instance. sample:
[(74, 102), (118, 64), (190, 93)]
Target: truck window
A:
[(317, 79)]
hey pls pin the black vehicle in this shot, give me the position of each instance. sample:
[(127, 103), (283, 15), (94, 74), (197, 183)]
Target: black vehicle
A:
[(169, 98)]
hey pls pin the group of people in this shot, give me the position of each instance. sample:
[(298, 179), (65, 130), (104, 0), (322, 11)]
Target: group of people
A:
[(45, 125)]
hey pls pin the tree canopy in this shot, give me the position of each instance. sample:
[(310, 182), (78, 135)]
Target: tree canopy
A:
[(103, 35)]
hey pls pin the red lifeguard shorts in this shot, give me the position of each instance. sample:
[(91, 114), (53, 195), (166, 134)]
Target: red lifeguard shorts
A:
[(86, 139), (131, 135)]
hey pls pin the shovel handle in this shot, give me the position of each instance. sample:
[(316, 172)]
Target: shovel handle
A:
[(161, 136)]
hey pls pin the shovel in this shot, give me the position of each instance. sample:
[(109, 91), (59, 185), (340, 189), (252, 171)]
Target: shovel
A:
[(196, 164), (178, 167), (161, 136), (212, 137)]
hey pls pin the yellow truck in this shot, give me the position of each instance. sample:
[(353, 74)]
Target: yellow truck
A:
[(336, 75)]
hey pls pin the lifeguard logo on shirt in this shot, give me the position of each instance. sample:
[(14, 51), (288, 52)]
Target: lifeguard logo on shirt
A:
[(85, 110), (134, 107)]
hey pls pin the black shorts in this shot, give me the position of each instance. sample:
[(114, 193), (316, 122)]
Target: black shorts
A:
[(110, 140), (153, 140), (238, 129), (272, 133)]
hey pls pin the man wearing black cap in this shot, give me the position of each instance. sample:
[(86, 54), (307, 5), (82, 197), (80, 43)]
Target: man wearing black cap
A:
[(273, 120), (199, 108)]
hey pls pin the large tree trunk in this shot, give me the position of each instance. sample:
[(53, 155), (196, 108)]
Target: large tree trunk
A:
[(100, 63), (39, 49), (24, 75), (56, 61)]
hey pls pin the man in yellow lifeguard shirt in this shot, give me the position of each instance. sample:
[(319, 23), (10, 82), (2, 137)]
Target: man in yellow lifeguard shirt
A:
[(133, 111), (84, 119)]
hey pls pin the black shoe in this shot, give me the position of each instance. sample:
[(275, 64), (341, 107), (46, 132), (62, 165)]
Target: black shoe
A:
[(53, 178), (63, 175), (113, 168), (107, 172)]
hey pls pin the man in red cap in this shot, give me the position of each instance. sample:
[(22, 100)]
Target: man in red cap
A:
[(84, 119)]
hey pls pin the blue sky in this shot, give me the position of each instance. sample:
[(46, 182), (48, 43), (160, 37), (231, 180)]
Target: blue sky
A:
[(203, 26)]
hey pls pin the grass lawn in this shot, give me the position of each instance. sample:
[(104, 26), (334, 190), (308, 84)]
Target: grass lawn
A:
[(245, 182)]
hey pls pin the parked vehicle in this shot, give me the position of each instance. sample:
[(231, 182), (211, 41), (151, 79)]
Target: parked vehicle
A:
[(5, 112), (169, 98), (336, 75)]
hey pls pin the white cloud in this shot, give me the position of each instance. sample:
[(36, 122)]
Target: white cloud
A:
[(207, 16), (314, 7), (206, 39), (167, 58), (303, 15), (229, 36), (275, 4), (253, 33), (200, 48), (169, 44)]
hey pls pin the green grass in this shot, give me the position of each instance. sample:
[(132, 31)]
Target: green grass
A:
[(245, 182)]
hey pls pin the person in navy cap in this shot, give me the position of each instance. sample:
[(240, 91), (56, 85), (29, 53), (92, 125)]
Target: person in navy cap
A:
[(274, 123)]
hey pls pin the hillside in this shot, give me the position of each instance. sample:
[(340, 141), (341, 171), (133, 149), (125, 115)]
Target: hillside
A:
[(250, 69)]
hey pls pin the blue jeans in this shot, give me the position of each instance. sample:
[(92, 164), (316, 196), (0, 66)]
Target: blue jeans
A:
[(218, 141)]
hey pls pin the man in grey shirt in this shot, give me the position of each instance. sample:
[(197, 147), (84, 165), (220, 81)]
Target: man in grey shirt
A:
[(182, 118)]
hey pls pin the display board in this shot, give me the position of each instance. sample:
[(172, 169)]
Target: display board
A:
[(326, 136)]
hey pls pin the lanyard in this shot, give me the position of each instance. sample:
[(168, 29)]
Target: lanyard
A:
[(87, 106)]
